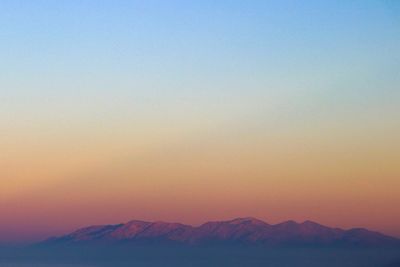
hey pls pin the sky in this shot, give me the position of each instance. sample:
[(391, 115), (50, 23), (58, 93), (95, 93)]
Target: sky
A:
[(191, 111)]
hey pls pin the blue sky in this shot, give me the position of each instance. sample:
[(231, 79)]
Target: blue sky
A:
[(228, 59), (177, 45)]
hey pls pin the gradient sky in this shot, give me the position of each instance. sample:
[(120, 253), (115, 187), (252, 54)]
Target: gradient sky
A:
[(198, 110)]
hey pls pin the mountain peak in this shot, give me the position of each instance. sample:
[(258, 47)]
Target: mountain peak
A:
[(247, 220), (308, 222), (136, 222)]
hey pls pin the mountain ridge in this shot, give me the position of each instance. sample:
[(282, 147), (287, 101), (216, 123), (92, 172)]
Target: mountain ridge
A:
[(244, 230)]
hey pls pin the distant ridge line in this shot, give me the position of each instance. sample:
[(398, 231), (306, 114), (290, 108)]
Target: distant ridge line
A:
[(243, 230)]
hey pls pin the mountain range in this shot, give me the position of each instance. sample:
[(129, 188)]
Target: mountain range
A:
[(244, 231)]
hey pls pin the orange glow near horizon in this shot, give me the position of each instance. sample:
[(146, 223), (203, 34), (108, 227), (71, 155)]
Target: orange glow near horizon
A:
[(335, 178)]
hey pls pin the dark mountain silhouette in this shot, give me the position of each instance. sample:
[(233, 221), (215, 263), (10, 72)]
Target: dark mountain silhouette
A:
[(247, 231)]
